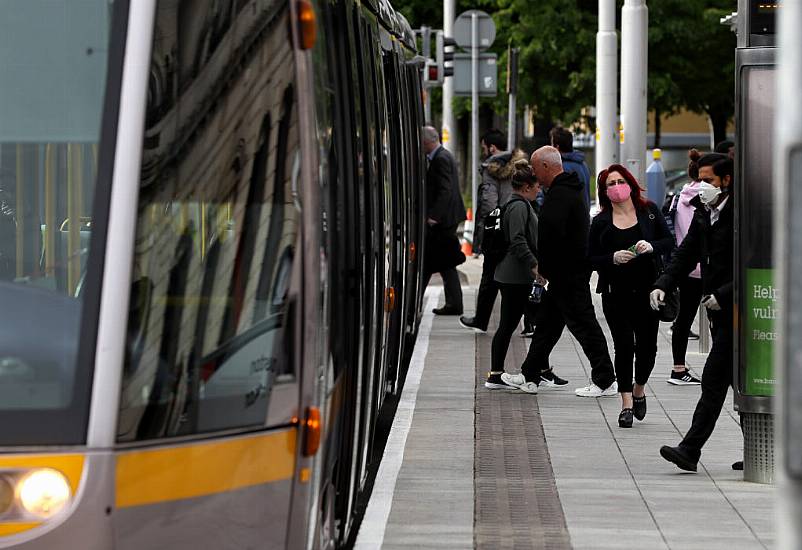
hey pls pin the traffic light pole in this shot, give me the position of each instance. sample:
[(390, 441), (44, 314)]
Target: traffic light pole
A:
[(512, 90), (426, 50), (449, 124), (474, 109)]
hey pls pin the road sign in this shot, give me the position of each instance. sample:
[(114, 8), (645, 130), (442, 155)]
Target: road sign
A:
[(488, 74), (462, 30)]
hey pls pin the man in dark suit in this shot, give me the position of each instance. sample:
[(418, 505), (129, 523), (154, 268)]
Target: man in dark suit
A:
[(444, 212)]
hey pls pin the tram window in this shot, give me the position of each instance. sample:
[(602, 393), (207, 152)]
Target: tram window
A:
[(217, 226), (53, 57)]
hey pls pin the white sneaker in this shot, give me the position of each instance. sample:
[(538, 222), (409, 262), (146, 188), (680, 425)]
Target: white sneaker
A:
[(592, 390), (518, 381)]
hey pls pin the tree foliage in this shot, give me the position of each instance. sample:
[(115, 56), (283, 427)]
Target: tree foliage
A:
[(691, 55)]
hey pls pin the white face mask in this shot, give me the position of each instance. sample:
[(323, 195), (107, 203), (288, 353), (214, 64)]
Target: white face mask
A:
[(708, 193)]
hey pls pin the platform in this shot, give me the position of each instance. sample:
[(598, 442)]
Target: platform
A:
[(466, 467)]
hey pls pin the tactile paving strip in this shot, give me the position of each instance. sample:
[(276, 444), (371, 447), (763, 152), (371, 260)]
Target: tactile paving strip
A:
[(517, 505)]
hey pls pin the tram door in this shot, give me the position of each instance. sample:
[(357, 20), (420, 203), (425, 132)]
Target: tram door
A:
[(207, 444)]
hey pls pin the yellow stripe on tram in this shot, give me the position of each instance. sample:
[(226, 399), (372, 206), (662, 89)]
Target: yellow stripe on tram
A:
[(204, 468)]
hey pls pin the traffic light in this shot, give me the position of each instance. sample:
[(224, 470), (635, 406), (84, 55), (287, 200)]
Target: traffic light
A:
[(431, 73), (445, 54)]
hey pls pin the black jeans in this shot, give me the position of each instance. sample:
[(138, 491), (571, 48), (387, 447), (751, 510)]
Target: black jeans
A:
[(568, 303), (690, 294), (514, 302), (716, 380), (451, 287), (633, 325), (488, 290)]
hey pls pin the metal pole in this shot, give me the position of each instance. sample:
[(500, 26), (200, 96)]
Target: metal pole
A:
[(606, 87), (426, 51), (20, 213), (788, 251), (634, 52), (704, 331), (449, 123), (474, 108), (512, 89)]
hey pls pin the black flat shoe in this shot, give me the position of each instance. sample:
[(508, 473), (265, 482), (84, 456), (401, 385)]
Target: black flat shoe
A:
[(639, 407), (447, 310), (625, 418), (680, 457), (738, 466)]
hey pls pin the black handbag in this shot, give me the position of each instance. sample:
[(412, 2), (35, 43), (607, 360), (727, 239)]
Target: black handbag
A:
[(670, 309)]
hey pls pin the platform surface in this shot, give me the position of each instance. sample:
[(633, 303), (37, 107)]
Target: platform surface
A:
[(467, 467)]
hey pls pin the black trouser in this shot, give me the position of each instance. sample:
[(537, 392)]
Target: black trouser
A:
[(690, 294), (514, 302), (568, 303), (488, 289), (451, 287), (716, 380), (633, 325)]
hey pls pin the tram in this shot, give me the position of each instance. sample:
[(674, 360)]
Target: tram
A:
[(211, 222)]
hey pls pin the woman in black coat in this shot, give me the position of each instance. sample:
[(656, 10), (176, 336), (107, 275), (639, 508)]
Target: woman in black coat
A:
[(627, 239)]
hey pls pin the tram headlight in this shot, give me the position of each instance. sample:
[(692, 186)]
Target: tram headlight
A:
[(43, 493), (6, 495)]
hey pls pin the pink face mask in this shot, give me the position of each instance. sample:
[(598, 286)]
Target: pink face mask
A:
[(619, 193)]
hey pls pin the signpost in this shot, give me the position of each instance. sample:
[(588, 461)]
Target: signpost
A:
[(488, 74), (474, 31)]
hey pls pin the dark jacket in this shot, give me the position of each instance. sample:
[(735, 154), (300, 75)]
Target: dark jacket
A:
[(563, 230), (443, 200), (575, 162), (520, 229), (600, 250), (710, 246), (444, 205)]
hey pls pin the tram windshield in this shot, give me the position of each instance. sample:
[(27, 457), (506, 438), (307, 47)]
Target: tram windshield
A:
[(53, 56)]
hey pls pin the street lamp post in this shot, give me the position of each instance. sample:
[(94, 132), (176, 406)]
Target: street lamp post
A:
[(634, 76)]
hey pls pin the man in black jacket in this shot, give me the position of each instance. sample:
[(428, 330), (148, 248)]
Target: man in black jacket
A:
[(444, 212), (710, 243), (563, 245)]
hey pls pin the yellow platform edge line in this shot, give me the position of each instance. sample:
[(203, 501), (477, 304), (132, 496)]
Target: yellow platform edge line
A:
[(204, 468)]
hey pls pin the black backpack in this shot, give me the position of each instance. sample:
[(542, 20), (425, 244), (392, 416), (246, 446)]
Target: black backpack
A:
[(494, 242)]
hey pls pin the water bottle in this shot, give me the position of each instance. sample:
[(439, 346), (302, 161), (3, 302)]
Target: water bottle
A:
[(536, 294)]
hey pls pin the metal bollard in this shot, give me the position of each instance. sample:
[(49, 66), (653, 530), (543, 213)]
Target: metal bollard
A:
[(704, 331)]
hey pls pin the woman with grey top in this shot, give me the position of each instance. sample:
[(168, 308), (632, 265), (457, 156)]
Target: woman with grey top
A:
[(516, 272)]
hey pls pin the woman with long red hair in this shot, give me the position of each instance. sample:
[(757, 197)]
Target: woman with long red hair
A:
[(627, 239)]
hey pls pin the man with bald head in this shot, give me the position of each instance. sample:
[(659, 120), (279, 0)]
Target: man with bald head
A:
[(563, 246), (444, 212)]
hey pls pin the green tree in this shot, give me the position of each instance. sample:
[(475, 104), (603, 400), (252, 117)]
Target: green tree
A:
[(692, 60), (691, 55)]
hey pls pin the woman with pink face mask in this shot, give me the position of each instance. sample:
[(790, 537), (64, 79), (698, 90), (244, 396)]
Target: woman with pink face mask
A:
[(627, 238)]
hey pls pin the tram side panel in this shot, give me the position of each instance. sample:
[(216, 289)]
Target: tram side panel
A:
[(207, 449), (365, 148)]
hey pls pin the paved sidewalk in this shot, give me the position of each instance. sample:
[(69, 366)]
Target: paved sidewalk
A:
[(614, 488)]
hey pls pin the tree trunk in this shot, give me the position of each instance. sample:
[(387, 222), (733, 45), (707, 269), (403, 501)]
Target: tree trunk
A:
[(657, 129), (719, 123)]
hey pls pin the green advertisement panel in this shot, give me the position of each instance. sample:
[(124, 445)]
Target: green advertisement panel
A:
[(760, 312)]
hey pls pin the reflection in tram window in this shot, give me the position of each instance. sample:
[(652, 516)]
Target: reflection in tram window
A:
[(216, 224), (53, 58)]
